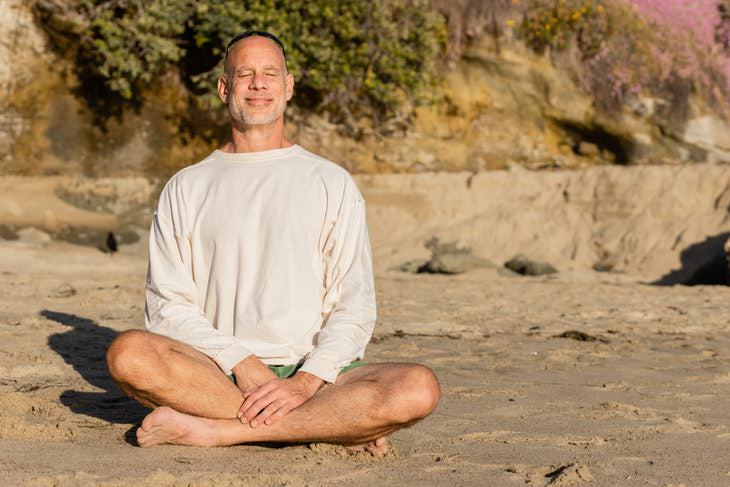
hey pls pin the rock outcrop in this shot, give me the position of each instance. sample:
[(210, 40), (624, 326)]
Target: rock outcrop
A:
[(715, 270), (658, 222), (446, 258), (524, 266)]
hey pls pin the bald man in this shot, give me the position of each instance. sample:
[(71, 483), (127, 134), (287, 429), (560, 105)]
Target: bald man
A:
[(260, 298)]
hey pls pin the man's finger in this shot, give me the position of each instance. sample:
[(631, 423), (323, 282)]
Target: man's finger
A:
[(283, 411), (263, 416), (253, 397), (257, 407), (253, 411), (244, 407)]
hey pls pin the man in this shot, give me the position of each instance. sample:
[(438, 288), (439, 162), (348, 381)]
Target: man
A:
[(260, 296)]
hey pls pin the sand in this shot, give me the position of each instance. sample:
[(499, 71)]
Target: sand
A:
[(580, 377)]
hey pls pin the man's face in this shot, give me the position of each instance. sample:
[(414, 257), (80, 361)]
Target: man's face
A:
[(256, 85)]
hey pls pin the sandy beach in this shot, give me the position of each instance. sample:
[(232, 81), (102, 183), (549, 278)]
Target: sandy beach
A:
[(579, 377), (582, 143)]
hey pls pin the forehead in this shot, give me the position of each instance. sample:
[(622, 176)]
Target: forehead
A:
[(255, 50)]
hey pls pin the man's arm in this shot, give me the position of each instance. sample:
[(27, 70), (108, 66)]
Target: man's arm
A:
[(171, 306), (349, 301), (349, 305)]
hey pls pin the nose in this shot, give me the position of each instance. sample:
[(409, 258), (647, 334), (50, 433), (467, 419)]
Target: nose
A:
[(258, 81)]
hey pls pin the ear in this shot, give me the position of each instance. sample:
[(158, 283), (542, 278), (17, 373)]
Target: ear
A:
[(223, 88), (289, 86)]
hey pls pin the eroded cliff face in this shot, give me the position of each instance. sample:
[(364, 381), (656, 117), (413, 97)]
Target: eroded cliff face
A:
[(47, 127), (501, 105), (659, 223), (505, 105), (24, 86)]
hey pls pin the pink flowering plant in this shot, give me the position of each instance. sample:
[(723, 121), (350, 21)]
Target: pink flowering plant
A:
[(666, 47)]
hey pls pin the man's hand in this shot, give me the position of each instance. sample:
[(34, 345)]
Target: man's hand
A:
[(251, 373), (276, 398)]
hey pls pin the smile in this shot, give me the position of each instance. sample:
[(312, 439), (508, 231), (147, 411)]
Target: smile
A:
[(258, 101)]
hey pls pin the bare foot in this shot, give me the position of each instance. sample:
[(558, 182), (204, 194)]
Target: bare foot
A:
[(377, 448), (164, 425)]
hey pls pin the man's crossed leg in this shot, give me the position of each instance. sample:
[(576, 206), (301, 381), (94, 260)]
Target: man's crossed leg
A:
[(196, 404)]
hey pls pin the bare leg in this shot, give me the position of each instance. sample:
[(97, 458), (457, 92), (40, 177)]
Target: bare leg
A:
[(199, 404), (370, 403), (157, 371)]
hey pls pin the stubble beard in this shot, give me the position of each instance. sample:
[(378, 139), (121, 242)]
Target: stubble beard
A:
[(239, 112)]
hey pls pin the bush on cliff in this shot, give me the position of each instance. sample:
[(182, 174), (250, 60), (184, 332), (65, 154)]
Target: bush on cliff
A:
[(354, 60)]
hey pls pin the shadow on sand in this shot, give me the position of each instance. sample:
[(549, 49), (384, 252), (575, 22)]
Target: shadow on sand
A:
[(84, 347), (702, 263)]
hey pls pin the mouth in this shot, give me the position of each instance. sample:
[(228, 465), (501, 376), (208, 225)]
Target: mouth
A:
[(258, 101)]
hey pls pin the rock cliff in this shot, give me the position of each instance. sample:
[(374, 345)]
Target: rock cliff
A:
[(502, 105)]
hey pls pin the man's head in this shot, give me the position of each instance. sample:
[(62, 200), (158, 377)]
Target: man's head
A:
[(255, 84)]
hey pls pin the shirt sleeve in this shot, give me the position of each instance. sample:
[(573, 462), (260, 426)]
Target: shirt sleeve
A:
[(171, 304), (349, 301)]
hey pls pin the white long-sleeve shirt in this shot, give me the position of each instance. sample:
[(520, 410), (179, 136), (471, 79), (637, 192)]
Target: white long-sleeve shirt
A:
[(263, 253)]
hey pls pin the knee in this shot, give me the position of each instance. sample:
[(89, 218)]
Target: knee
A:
[(128, 354), (420, 394)]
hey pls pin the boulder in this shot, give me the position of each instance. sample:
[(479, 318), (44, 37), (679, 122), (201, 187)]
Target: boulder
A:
[(527, 267), (715, 271), (587, 149), (412, 266), (455, 263), (446, 258)]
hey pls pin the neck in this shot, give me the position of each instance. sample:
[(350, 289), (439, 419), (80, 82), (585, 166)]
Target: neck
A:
[(257, 138)]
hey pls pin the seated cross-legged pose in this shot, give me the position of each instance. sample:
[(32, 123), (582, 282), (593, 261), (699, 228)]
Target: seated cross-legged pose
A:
[(260, 298)]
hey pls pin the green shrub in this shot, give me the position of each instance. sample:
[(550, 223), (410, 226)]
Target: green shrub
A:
[(351, 59), (129, 42), (555, 23)]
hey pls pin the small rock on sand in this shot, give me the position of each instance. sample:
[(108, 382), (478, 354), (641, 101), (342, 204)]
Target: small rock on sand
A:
[(62, 291), (33, 237), (412, 266), (527, 267), (571, 474), (455, 263), (8, 232)]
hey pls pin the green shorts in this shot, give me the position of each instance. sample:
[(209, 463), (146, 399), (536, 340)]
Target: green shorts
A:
[(286, 371)]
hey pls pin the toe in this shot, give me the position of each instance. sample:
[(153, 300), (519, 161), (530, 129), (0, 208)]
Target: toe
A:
[(142, 436), (377, 448), (355, 448)]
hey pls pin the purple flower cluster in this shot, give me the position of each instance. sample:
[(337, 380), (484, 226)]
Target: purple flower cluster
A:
[(695, 17), (702, 27), (669, 48)]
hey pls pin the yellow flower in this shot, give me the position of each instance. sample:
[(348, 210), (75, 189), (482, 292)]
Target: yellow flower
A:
[(510, 22)]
